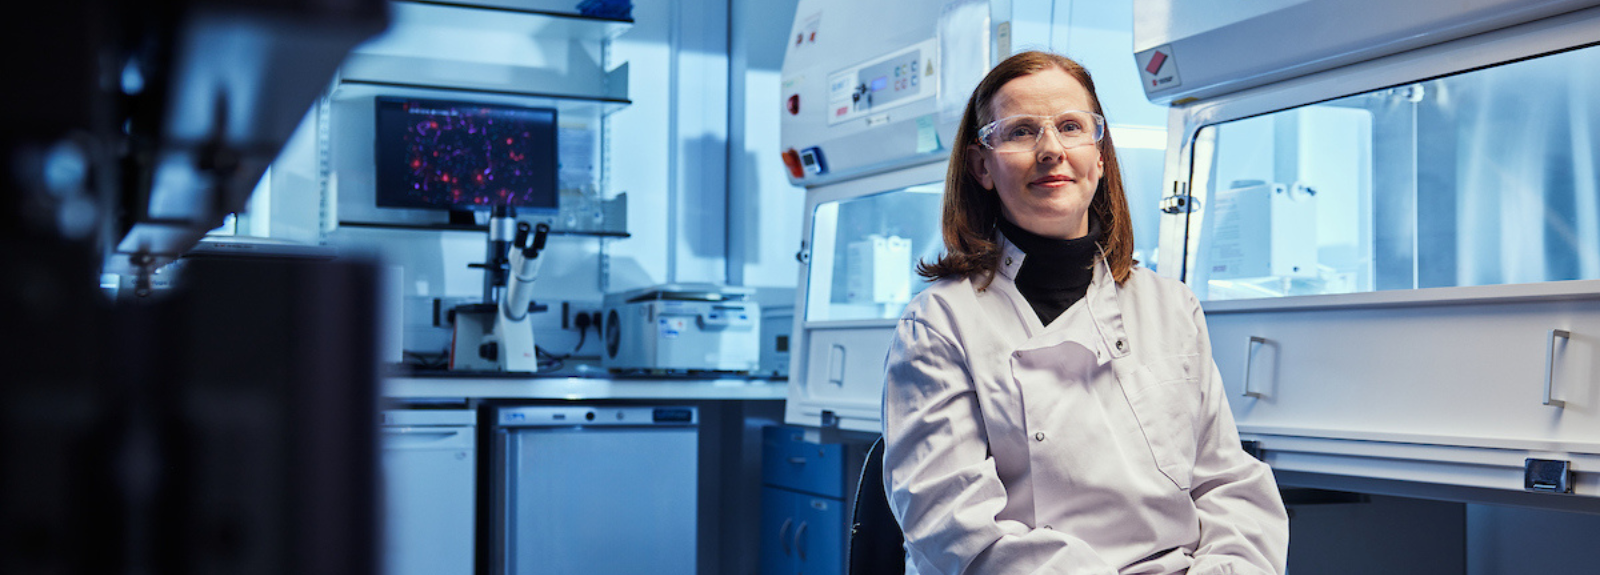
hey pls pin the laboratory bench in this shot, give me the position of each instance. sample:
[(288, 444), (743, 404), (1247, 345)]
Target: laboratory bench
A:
[(578, 387), (579, 447)]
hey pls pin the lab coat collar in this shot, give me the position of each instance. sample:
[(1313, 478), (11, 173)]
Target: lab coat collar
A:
[(1011, 257), (1106, 336)]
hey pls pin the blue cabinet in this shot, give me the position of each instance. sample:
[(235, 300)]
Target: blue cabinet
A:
[(803, 518), (788, 461)]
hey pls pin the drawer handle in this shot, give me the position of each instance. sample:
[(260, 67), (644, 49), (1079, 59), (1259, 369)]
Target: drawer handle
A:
[(797, 460), (783, 535), (1249, 351), (1550, 366)]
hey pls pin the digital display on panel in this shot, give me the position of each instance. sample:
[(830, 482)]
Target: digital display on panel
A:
[(462, 155)]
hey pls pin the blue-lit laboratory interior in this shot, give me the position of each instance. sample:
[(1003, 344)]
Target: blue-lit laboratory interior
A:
[(513, 287)]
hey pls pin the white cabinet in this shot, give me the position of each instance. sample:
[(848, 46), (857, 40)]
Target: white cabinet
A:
[(430, 491), (1448, 393)]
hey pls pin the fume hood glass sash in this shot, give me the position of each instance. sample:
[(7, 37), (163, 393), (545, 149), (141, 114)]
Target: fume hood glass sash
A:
[(864, 251), (1486, 177)]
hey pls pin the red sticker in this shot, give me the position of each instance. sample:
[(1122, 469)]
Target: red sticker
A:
[(1155, 62)]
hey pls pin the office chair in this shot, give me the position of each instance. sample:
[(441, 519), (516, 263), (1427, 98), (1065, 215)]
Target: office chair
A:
[(876, 545)]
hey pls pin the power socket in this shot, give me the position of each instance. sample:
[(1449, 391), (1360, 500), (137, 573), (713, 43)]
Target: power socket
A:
[(441, 306), (571, 310)]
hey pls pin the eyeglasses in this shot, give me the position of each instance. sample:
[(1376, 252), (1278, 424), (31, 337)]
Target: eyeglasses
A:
[(1073, 128)]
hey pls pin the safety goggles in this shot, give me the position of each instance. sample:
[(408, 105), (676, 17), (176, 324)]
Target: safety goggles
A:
[(1023, 133)]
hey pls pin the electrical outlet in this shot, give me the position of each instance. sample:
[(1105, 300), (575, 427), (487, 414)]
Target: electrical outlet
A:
[(440, 314), (570, 311)]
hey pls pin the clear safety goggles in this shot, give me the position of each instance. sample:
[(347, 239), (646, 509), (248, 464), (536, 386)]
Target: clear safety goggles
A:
[(1073, 128)]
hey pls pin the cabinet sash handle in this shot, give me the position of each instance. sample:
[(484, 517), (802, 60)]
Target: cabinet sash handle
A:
[(1550, 366), (836, 365), (1249, 351)]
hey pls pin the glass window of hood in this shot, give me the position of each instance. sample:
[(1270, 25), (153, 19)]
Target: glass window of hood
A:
[(1482, 178), (864, 253)]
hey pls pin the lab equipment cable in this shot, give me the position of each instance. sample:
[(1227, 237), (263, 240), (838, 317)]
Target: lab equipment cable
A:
[(583, 322), (428, 361), (549, 361)]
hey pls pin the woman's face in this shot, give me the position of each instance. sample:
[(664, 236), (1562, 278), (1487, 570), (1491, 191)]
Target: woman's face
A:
[(1047, 190)]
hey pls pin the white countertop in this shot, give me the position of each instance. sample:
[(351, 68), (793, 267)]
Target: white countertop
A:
[(580, 388)]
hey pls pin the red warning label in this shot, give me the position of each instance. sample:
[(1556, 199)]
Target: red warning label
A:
[(1158, 68), (1156, 60)]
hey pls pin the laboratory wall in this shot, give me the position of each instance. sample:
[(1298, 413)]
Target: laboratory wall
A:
[(668, 150), (764, 210)]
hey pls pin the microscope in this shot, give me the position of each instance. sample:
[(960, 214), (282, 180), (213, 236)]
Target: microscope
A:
[(493, 336)]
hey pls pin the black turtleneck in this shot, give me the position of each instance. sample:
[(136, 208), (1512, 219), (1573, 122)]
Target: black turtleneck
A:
[(1056, 272)]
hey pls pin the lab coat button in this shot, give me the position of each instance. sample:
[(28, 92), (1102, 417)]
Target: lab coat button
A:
[(1008, 261), (1121, 344), (1039, 436)]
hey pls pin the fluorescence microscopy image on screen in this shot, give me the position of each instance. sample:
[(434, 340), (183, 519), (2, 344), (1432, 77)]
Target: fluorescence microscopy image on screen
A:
[(462, 155)]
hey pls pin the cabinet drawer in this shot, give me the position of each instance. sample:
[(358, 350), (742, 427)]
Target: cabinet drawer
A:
[(789, 461)]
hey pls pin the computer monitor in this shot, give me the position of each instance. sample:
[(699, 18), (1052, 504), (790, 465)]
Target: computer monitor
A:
[(464, 156)]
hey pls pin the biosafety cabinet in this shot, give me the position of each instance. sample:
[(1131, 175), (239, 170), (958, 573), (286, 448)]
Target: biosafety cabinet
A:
[(1391, 213), (871, 96)]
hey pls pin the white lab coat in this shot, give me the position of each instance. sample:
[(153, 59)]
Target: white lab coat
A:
[(1100, 444)]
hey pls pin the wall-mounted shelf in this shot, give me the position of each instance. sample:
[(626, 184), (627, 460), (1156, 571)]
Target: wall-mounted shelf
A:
[(566, 105), (476, 228), (511, 47), (579, 215), (513, 15)]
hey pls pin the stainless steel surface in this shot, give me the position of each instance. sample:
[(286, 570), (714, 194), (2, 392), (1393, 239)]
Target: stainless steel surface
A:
[(595, 489)]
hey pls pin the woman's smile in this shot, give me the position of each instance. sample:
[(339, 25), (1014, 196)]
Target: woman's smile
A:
[(1054, 181)]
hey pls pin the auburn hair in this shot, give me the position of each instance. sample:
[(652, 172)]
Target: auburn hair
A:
[(970, 211)]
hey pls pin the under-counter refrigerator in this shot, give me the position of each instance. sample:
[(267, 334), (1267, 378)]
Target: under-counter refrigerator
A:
[(429, 470), (598, 490)]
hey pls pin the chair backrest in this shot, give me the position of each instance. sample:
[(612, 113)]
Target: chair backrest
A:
[(876, 544)]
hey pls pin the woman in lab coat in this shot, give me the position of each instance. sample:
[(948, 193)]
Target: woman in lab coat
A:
[(1048, 406)]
